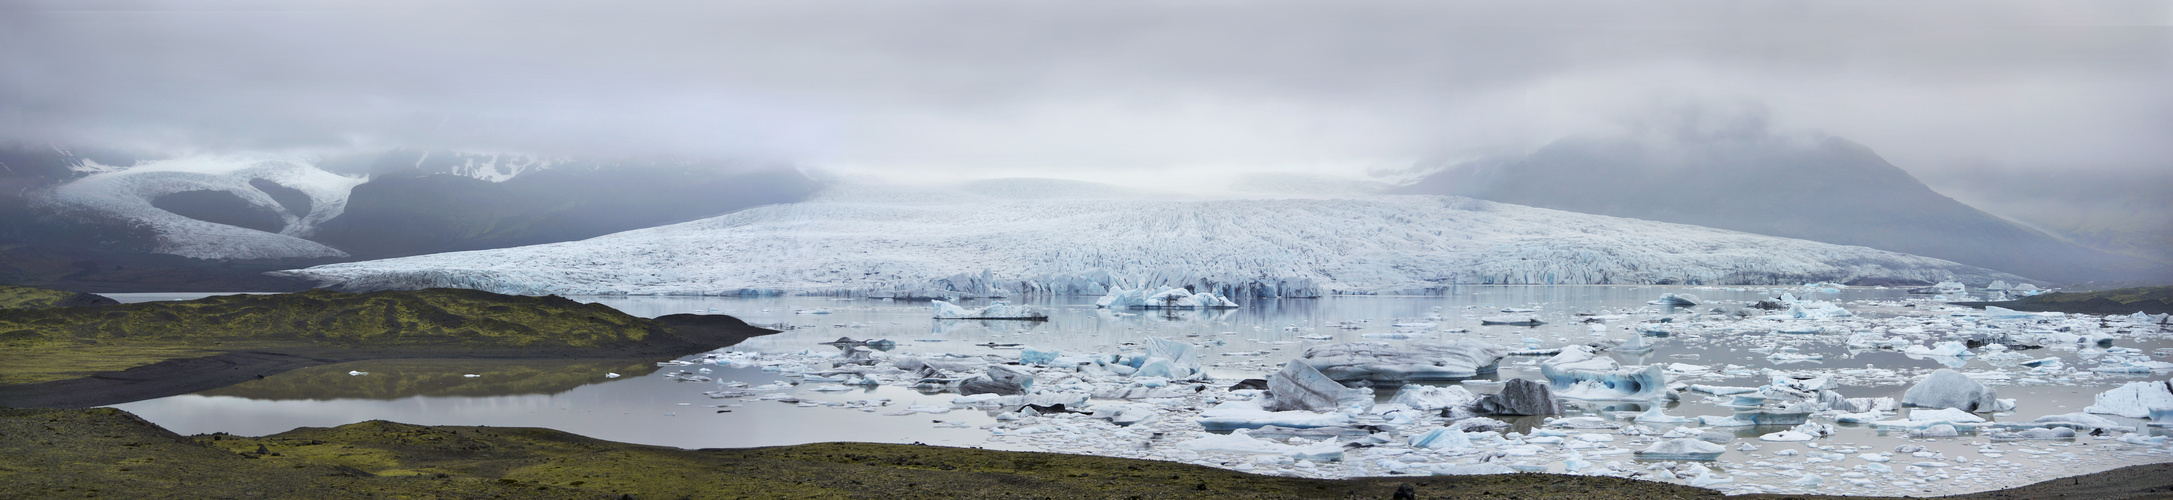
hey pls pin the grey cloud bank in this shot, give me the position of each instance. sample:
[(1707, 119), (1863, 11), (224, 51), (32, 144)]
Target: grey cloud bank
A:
[(989, 88)]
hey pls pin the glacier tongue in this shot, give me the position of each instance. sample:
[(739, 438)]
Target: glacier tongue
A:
[(966, 241), (125, 194)]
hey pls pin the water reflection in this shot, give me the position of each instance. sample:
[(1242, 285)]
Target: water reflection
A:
[(403, 378)]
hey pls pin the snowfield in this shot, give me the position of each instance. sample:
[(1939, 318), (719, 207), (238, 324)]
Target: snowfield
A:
[(125, 194), (1039, 236)]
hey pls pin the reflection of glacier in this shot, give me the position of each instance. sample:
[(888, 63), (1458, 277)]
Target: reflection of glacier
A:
[(1025, 237)]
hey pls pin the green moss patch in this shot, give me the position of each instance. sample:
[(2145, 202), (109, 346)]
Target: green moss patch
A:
[(106, 452)]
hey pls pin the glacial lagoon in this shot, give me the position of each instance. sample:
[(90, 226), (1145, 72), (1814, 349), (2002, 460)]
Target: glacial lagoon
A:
[(760, 393)]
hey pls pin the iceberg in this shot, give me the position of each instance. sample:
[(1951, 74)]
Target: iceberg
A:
[(1682, 449), (1300, 387), (999, 379), (1928, 417), (1239, 442), (1676, 299), (2152, 400), (996, 310), (1947, 388), (1166, 298), (1580, 373), (1390, 364), (2078, 420), (1441, 438), (1430, 398), (1233, 415)]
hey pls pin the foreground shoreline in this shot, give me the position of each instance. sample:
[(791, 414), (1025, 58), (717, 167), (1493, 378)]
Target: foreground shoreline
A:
[(110, 452)]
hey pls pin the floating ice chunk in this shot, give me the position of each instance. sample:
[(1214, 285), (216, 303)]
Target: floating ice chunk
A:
[(2133, 364), (1940, 349), (1429, 398), (1579, 373), (1442, 438), (1807, 481), (1511, 320), (1232, 415), (1947, 388), (1935, 431), (2079, 420), (1721, 390), (1300, 387), (611, 375), (1682, 449), (1127, 414), (1928, 417), (999, 379), (995, 310), (1383, 362), (1165, 298), (1037, 357), (1654, 416), (1169, 359), (1816, 309), (1676, 299), (2153, 400), (2043, 433)]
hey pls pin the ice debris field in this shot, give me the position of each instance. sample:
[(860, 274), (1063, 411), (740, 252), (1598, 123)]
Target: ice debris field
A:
[(1787, 393)]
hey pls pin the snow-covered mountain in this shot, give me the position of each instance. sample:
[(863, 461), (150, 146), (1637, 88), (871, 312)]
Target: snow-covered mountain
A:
[(1039, 236), (126, 195)]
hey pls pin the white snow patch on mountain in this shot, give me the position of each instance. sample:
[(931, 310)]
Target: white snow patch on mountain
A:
[(1035, 236), (125, 194)]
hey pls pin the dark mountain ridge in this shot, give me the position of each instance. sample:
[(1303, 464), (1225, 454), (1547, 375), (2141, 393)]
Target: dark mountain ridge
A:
[(1823, 189)]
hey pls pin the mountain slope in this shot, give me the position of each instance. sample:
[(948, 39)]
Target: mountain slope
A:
[(1825, 189), (419, 203), (1024, 236)]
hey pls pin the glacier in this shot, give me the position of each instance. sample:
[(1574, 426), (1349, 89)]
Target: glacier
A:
[(1000, 238), (124, 194)]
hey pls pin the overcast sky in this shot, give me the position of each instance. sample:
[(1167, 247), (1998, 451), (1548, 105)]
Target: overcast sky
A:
[(1090, 89)]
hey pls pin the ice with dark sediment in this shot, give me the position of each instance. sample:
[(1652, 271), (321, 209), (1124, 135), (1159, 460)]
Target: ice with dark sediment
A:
[(998, 379), (1521, 397), (1580, 373), (1676, 299), (1390, 364)]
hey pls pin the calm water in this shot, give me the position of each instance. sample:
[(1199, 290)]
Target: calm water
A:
[(646, 405)]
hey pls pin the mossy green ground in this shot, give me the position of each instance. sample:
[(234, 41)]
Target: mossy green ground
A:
[(23, 297), (104, 452), (39, 345)]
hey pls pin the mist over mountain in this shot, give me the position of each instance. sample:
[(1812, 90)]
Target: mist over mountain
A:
[(2123, 212), (109, 221), (1825, 189)]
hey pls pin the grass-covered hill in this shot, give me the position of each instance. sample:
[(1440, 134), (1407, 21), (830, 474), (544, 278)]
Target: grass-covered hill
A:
[(23, 297), (216, 341), (2148, 300)]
